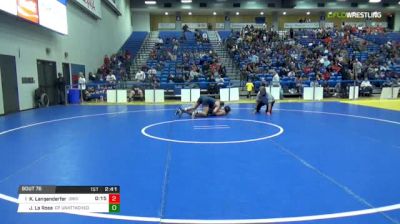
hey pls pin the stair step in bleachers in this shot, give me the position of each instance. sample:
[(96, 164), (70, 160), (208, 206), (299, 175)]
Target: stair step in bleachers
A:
[(134, 42)]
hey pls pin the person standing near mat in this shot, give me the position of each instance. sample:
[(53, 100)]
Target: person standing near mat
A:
[(210, 106), (264, 98)]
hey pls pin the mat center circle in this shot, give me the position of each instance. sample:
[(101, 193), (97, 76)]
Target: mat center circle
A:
[(212, 131)]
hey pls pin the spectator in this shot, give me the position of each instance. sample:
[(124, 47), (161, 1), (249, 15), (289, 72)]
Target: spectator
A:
[(249, 88), (171, 78), (92, 77), (185, 28), (276, 80), (60, 85), (110, 78), (152, 72), (135, 92), (82, 85), (220, 81), (160, 41), (140, 76), (357, 67), (107, 61), (366, 87)]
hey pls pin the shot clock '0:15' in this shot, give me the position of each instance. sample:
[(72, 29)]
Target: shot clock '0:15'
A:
[(100, 198)]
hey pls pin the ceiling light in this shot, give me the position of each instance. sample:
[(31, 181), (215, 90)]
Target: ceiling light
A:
[(214, 13), (186, 1), (308, 13), (166, 13), (374, 1), (261, 13), (150, 2), (189, 13), (284, 13), (237, 13)]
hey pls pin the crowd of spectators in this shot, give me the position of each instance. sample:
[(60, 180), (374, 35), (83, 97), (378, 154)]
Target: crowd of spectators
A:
[(192, 59), (312, 55), (304, 56), (116, 67)]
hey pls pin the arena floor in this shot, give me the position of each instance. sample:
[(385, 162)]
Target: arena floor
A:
[(319, 163)]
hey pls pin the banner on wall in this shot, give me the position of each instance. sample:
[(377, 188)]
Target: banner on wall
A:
[(356, 24), (241, 25), (196, 25), (114, 5), (91, 6), (328, 25), (28, 9), (379, 24), (53, 15), (301, 25), (364, 24), (166, 26), (220, 25)]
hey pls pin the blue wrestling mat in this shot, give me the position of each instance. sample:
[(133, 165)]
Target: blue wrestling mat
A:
[(319, 163)]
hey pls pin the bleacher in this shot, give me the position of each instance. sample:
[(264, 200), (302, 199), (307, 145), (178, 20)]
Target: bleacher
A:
[(187, 44), (224, 34), (134, 42)]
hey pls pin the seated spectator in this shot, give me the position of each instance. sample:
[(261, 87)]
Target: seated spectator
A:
[(291, 74), (276, 80), (220, 81), (152, 72), (179, 79), (366, 87), (194, 75), (206, 67), (222, 71), (171, 78), (155, 82), (211, 78), (92, 77), (160, 41), (144, 68), (387, 83), (122, 74), (140, 76), (110, 78), (365, 83), (135, 92)]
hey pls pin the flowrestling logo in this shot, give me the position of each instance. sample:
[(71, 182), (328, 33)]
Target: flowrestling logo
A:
[(355, 15)]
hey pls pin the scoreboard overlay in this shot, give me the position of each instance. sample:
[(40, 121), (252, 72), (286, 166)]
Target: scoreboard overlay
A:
[(45, 199)]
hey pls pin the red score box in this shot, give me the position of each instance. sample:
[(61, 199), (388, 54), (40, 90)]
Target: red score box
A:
[(114, 198)]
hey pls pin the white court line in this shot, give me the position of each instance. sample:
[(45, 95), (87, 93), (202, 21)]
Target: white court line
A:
[(207, 126), (144, 131), (232, 221), (76, 117), (210, 128)]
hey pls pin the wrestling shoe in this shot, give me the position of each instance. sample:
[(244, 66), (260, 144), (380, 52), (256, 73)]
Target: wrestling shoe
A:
[(194, 114), (179, 112)]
